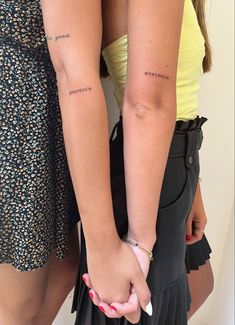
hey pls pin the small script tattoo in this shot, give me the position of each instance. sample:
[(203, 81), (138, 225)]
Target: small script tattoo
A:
[(57, 37), (157, 75), (79, 90)]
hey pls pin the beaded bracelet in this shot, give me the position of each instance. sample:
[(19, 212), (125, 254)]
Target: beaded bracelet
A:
[(132, 243)]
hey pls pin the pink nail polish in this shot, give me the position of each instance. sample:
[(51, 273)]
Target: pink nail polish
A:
[(91, 295), (84, 279), (188, 237), (102, 309), (114, 308)]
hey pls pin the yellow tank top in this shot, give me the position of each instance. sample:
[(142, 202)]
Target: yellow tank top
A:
[(191, 54)]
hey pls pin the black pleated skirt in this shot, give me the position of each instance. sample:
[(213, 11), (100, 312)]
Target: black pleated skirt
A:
[(167, 278)]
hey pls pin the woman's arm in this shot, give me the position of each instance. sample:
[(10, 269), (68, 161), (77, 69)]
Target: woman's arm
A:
[(73, 29), (149, 114)]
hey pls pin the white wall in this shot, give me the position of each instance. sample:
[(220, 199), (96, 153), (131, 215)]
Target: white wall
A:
[(216, 102), (224, 291), (217, 160)]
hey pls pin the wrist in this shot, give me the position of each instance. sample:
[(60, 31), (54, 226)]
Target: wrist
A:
[(146, 240), (108, 242), (135, 245), (101, 234)]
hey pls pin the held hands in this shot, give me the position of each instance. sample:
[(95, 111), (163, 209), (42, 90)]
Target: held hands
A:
[(123, 289), (197, 219)]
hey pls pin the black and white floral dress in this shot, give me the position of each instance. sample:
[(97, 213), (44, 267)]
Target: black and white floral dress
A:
[(37, 203)]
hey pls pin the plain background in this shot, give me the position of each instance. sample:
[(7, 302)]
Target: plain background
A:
[(216, 103)]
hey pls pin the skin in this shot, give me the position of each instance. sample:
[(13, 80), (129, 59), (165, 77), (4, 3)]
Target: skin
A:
[(85, 126), (201, 281), (73, 29), (197, 220), (147, 104), (201, 284), (61, 279), (149, 110), (18, 301)]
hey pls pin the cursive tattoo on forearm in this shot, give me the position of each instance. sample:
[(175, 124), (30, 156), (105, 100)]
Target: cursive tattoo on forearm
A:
[(57, 37), (79, 90), (157, 75)]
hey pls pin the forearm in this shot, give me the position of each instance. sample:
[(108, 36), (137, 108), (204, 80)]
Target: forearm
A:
[(74, 32), (147, 141), (85, 127), (149, 107)]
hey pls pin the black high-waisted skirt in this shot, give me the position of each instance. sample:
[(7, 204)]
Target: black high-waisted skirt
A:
[(167, 278)]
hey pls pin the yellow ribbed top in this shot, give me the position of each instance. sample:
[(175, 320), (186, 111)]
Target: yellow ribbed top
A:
[(191, 54)]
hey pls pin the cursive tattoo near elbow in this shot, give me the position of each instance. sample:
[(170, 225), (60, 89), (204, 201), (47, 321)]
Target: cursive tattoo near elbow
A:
[(157, 75), (79, 90), (57, 37)]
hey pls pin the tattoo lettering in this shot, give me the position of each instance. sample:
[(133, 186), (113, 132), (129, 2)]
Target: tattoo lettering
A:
[(157, 75), (57, 37), (79, 90)]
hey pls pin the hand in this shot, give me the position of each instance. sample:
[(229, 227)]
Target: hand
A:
[(197, 219), (131, 309), (114, 272)]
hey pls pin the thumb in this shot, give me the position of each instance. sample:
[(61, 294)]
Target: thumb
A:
[(142, 290)]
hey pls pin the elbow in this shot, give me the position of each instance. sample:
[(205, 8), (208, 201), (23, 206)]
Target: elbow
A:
[(142, 107), (71, 70), (59, 62), (65, 75)]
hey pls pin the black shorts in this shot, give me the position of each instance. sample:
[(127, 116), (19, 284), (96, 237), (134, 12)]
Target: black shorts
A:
[(167, 278)]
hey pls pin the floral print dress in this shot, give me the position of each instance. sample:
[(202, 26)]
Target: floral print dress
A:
[(37, 202)]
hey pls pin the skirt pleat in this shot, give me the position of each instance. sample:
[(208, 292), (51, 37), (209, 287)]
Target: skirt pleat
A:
[(197, 254), (167, 277), (170, 305)]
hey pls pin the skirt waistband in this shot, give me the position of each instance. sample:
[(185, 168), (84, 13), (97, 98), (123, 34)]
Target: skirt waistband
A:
[(187, 138)]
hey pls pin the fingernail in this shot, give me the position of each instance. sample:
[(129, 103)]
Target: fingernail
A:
[(91, 295), (149, 309), (188, 237), (102, 309), (114, 308), (84, 279)]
